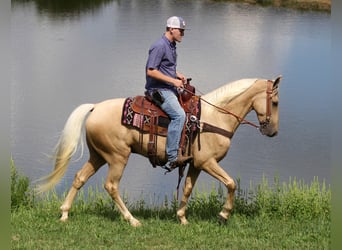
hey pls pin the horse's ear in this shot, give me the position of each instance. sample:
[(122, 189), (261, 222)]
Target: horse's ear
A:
[(277, 81)]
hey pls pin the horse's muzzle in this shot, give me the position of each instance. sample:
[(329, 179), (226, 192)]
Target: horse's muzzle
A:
[(268, 130)]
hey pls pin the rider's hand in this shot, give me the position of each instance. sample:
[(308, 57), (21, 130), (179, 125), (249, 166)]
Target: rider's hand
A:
[(178, 83), (181, 77)]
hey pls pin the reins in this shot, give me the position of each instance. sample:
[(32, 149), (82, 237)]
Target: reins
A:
[(242, 120)]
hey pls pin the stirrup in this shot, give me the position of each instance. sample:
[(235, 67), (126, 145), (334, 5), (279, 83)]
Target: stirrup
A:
[(172, 166), (168, 170)]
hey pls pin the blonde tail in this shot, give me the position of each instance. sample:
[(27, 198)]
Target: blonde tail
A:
[(67, 146)]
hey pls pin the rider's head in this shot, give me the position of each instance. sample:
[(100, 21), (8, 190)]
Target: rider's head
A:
[(175, 27)]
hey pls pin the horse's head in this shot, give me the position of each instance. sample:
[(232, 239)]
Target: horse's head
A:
[(265, 105)]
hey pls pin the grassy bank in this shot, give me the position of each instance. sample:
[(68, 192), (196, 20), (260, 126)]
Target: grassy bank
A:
[(292, 215), (40, 229), (312, 5)]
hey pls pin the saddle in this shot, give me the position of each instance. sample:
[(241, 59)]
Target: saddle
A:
[(141, 113)]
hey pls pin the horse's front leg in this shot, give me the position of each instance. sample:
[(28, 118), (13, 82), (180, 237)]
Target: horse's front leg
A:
[(212, 168), (190, 181)]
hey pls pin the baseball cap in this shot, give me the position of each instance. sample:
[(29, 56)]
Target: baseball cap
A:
[(175, 22)]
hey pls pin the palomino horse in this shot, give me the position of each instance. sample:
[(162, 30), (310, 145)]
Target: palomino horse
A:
[(112, 143)]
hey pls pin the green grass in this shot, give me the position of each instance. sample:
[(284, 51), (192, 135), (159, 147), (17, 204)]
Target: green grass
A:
[(42, 230), (291, 215)]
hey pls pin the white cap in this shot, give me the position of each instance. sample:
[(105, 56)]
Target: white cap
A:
[(176, 22)]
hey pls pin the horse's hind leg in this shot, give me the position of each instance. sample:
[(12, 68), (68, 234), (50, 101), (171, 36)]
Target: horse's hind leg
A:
[(190, 181), (88, 169), (112, 186)]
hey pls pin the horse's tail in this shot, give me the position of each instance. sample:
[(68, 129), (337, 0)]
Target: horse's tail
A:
[(67, 146)]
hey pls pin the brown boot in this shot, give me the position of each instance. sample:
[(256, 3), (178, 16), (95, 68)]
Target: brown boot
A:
[(181, 160)]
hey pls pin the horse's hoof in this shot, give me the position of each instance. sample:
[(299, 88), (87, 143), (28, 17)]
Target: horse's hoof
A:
[(63, 219), (135, 223), (181, 217), (184, 222), (222, 219)]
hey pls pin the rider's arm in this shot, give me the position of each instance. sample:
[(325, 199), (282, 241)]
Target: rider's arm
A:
[(154, 73)]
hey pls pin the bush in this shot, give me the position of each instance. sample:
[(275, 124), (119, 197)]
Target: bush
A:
[(245, 201), (295, 199), (19, 189), (203, 205)]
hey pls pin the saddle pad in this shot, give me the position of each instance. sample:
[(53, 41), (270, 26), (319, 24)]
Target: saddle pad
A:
[(140, 121), (133, 118)]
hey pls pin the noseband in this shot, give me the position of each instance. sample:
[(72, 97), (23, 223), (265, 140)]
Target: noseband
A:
[(269, 92)]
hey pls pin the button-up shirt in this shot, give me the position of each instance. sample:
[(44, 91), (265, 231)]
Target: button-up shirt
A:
[(163, 57)]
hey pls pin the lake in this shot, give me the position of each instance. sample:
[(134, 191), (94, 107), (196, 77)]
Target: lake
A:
[(65, 54)]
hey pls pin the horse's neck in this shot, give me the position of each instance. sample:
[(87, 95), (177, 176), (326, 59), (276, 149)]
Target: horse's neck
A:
[(226, 93), (239, 106)]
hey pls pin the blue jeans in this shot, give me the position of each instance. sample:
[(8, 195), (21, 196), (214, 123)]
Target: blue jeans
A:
[(176, 114)]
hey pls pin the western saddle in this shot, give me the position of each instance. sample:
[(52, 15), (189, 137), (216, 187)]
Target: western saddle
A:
[(143, 114)]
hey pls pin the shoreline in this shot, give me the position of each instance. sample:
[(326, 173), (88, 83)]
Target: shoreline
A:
[(304, 5)]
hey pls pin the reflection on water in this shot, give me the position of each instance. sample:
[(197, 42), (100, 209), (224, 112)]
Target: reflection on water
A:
[(65, 8), (70, 52)]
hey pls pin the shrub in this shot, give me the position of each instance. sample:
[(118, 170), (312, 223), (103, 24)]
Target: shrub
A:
[(203, 204), (295, 199), (19, 188), (245, 201)]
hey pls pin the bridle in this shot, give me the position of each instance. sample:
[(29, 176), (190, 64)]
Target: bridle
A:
[(263, 124), (269, 92)]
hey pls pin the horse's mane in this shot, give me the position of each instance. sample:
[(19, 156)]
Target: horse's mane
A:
[(228, 91)]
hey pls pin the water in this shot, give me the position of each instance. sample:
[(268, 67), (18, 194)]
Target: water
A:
[(64, 55)]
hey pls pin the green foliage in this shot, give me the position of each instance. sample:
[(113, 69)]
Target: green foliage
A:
[(292, 199), (291, 215), (19, 189), (304, 5), (245, 201), (265, 2), (295, 199), (203, 205)]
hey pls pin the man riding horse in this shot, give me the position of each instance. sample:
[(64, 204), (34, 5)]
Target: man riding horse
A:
[(111, 141), (162, 84)]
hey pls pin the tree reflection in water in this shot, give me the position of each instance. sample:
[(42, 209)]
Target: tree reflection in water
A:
[(65, 8)]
